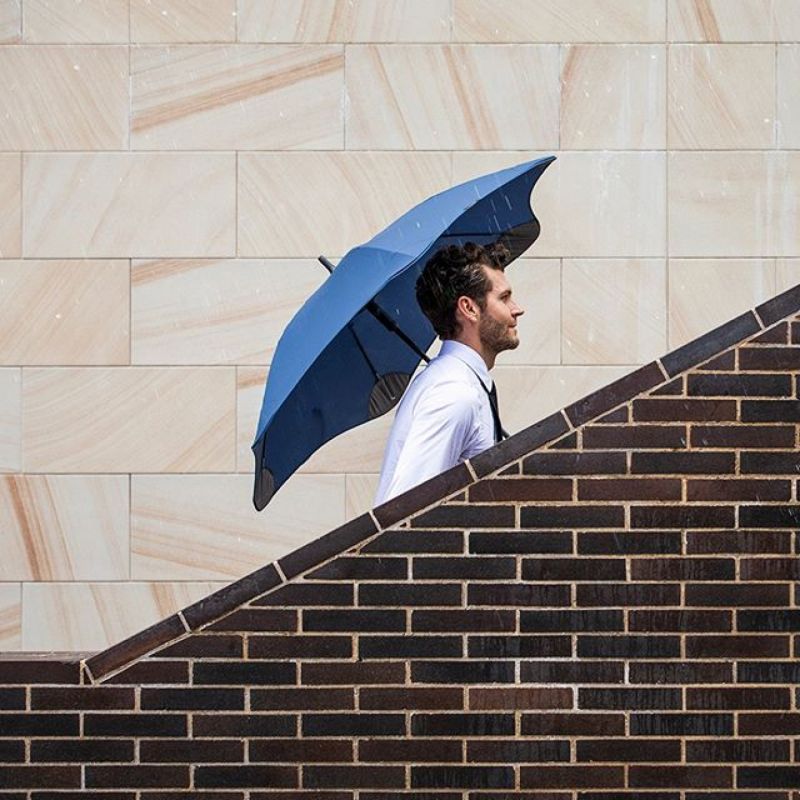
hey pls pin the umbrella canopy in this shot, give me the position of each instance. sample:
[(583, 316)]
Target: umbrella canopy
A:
[(341, 362)]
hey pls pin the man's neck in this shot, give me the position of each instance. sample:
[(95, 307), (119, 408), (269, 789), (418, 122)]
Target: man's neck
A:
[(475, 343)]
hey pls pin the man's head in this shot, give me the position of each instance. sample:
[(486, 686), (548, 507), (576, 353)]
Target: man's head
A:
[(464, 293)]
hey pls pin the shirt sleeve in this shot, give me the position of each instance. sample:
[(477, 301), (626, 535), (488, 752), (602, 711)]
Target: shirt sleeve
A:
[(442, 422)]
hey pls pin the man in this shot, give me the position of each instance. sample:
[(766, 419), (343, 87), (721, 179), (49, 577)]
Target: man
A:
[(448, 414)]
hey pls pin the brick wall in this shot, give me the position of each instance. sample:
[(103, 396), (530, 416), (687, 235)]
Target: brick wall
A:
[(603, 606)]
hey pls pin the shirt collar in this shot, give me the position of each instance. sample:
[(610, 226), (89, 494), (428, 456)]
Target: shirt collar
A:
[(470, 357)]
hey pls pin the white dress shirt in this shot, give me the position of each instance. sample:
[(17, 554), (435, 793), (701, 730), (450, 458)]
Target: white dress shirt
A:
[(443, 418)]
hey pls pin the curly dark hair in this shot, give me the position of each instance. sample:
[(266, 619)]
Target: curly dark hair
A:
[(454, 272)]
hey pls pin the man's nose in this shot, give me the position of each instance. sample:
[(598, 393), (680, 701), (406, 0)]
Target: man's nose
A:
[(517, 311)]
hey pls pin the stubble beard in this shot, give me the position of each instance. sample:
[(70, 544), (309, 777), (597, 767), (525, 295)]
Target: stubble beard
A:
[(495, 336)]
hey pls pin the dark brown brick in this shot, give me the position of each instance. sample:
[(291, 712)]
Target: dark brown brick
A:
[(137, 776), (574, 723), (681, 724), (152, 672), (770, 569), (134, 724), (659, 620), (338, 673), (193, 699), (511, 698), (777, 334), (683, 410), (431, 698), (519, 542), (462, 777), (353, 620), (354, 777), (626, 751), (257, 619), (682, 517), (80, 750), (725, 362), (286, 699), (769, 516), (12, 699), (409, 594), (734, 542), (629, 489), (504, 490), (309, 594), (672, 388), (14, 752), (462, 672), (95, 698), (213, 726), (625, 437), (361, 568), (394, 750), (582, 516), (571, 776), (466, 516), (509, 752), (245, 775), (571, 672), (408, 646), (628, 594), (573, 569), (770, 463), (651, 698), (357, 724), (575, 464), (28, 777), (242, 673), (736, 698), (22, 670), (304, 751), (770, 410), (517, 594), (749, 436), (463, 567), (738, 594), (737, 646), (680, 776), (568, 442), (408, 541), (784, 619), (769, 724), (628, 646), (672, 672), (294, 647), (772, 776), (738, 385), (682, 463), (462, 724), (769, 359), (193, 752), (738, 489), (458, 621), (768, 672), (571, 620), (537, 646), (628, 543), (683, 569), (619, 415)]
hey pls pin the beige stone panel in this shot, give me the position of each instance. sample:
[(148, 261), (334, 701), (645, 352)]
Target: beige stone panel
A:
[(463, 97), (344, 20), (216, 312), (527, 394), (10, 419), (151, 420), (354, 196), (590, 204), (558, 21), (63, 98), (360, 491), (90, 21), (789, 96), (536, 284), (129, 204), (205, 527), (787, 274), (613, 97), (10, 616), (183, 20), (64, 312), (733, 20), (614, 311), (357, 450), (64, 527), (10, 205), (734, 204), (87, 617), (238, 97), (10, 21), (705, 293), (721, 96)]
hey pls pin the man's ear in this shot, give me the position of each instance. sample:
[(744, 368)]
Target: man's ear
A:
[(467, 308)]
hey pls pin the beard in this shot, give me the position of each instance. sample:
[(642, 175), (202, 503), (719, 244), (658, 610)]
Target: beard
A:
[(496, 336)]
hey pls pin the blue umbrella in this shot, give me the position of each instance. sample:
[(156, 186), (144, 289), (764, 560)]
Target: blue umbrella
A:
[(350, 351)]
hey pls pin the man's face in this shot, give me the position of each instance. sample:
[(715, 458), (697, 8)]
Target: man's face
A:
[(497, 327)]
